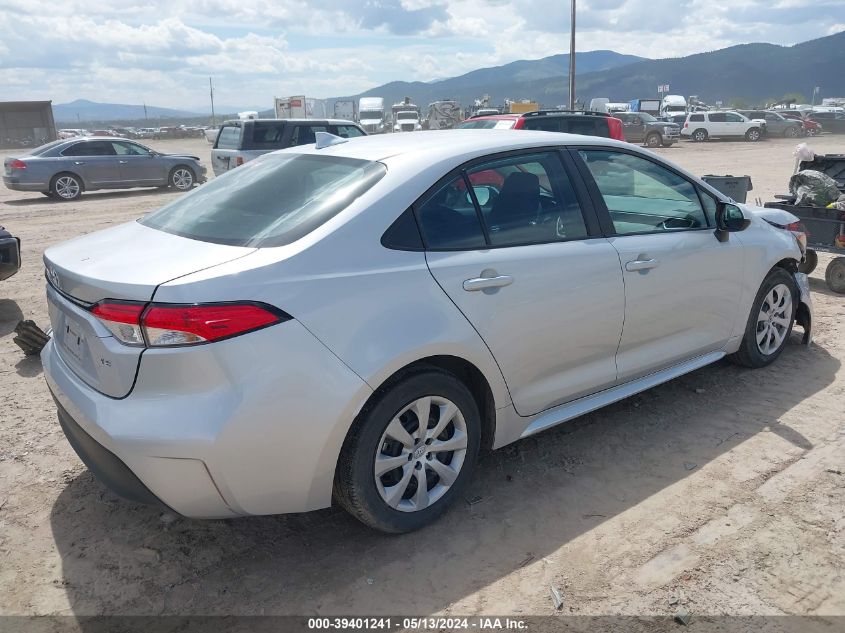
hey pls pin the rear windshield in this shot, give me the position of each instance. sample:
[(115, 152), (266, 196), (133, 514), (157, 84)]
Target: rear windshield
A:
[(271, 201), (37, 151), (487, 124)]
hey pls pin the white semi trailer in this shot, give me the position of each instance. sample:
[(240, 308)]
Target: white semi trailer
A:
[(371, 115)]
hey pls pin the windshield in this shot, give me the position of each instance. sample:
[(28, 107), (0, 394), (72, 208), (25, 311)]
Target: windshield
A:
[(371, 114), (271, 201), (407, 115)]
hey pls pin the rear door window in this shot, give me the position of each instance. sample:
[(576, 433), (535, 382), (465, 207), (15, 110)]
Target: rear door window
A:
[(271, 201), (696, 118), (543, 124), (449, 220), (306, 134), (718, 117), (229, 137), (90, 148), (268, 134), (348, 131)]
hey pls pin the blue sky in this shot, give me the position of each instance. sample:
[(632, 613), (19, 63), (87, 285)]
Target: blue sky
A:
[(162, 52)]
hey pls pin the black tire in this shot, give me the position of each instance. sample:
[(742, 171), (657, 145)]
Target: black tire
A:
[(700, 135), (753, 135), (653, 140), (749, 354), (355, 484), (182, 178), (66, 187), (811, 260), (834, 276)]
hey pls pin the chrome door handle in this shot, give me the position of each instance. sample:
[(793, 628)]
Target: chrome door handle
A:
[(482, 283), (79, 162), (123, 162), (642, 264)]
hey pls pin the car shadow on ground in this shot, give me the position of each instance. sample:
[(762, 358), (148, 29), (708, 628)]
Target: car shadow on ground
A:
[(820, 286), (94, 195), (10, 315), (525, 502)]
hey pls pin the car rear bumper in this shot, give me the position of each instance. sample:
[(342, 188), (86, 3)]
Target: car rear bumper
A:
[(15, 183), (10, 256), (251, 425)]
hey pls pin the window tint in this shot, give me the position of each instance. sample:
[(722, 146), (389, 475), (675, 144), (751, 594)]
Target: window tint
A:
[(271, 201), (709, 206), (642, 196), (586, 127), (449, 220), (229, 137), (527, 199), (730, 117), (348, 131), (696, 118), (266, 134), (771, 117), (718, 117), (306, 134), (543, 124), (129, 149), (90, 148), (403, 234)]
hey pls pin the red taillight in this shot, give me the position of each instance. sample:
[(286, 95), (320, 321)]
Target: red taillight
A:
[(162, 324), (17, 164), (686, 125), (239, 160)]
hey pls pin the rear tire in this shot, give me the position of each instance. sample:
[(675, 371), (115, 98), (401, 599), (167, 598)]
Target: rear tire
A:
[(770, 322), (753, 135), (835, 275), (700, 135), (811, 260), (66, 187), (791, 132), (387, 439)]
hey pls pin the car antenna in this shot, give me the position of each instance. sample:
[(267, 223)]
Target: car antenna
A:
[(324, 139)]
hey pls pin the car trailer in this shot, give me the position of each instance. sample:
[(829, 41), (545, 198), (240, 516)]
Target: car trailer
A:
[(824, 226)]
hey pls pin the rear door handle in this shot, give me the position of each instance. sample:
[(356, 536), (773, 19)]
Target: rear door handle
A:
[(642, 264), (123, 162), (79, 162), (482, 283)]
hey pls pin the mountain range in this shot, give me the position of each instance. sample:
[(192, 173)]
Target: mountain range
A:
[(753, 73)]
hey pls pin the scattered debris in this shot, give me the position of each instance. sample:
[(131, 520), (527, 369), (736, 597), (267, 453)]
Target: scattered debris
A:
[(527, 560), (557, 598), (673, 601), (682, 616), (167, 517), (689, 465), (699, 390), (508, 478), (833, 471), (370, 581), (30, 338), (473, 500), (3, 503), (587, 516)]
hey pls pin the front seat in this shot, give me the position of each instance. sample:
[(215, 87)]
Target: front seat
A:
[(518, 204)]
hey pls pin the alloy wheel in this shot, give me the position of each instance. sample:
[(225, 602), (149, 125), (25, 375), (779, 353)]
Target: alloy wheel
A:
[(67, 187), (420, 454), (774, 319), (183, 179)]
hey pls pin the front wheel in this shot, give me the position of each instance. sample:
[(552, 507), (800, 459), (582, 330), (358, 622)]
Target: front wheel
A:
[(653, 140), (752, 135), (770, 321), (409, 455), (181, 178), (834, 275)]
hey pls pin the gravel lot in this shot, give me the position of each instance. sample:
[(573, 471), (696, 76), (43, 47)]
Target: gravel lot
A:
[(722, 491)]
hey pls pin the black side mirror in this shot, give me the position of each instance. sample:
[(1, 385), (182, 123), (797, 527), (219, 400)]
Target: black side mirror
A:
[(729, 219)]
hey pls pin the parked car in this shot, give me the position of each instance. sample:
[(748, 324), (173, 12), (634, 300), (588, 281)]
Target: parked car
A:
[(833, 122), (239, 141), (584, 122), (64, 169), (680, 119), (10, 254), (776, 124), (811, 128), (702, 126), (641, 127), (348, 320)]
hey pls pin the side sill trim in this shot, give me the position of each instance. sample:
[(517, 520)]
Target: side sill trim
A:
[(570, 410)]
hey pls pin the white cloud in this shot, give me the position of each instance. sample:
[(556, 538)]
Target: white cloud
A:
[(163, 52)]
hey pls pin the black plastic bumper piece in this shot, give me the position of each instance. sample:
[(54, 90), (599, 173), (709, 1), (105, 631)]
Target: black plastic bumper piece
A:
[(105, 465), (10, 255)]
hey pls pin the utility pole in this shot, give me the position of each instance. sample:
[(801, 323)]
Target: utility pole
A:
[(572, 60), (211, 93)]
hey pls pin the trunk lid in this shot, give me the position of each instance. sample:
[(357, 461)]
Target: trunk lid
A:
[(127, 262)]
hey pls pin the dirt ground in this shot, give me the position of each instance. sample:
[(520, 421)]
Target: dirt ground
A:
[(722, 492)]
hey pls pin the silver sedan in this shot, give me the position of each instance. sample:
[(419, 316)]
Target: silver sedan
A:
[(65, 168)]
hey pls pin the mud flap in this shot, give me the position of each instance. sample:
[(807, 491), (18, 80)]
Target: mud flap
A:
[(804, 312)]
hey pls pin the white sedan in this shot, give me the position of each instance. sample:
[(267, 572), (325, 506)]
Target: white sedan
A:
[(355, 320)]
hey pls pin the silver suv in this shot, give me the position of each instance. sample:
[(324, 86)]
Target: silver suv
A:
[(240, 141)]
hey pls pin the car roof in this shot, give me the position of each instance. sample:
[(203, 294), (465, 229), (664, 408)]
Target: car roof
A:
[(311, 120), (493, 117), (436, 145)]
